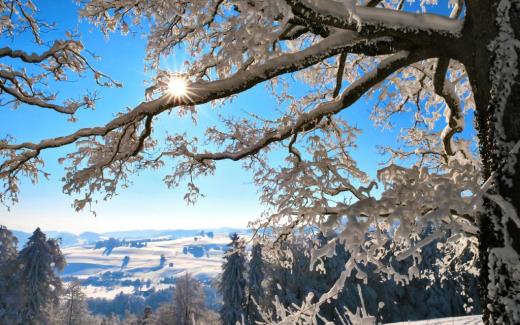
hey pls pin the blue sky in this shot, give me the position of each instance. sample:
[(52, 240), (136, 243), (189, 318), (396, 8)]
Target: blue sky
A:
[(231, 199)]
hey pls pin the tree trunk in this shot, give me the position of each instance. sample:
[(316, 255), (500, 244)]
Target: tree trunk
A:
[(493, 34)]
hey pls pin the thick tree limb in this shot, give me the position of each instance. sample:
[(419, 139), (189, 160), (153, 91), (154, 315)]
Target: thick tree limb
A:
[(379, 21), (57, 47), (203, 92), (445, 89), (307, 121), (339, 75)]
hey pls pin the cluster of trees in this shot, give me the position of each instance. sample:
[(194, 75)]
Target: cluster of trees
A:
[(183, 304), (111, 243), (31, 292), (252, 288)]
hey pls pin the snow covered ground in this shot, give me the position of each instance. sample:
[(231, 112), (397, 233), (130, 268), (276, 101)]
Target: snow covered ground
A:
[(467, 320), (104, 276)]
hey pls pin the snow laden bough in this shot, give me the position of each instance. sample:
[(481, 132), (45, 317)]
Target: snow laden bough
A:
[(432, 64)]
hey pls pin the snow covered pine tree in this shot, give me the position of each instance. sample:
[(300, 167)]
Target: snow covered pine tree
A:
[(255, 291), (232, 284), (415, 60), (9, 293), (41, 286)]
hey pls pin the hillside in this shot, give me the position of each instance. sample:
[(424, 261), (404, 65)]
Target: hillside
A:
[(104, 272), (68, 239)]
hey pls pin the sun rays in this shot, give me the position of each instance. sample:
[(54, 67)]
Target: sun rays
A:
[(177, 87)]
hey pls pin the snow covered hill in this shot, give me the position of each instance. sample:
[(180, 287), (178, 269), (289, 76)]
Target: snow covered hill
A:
[(128, 269), (467, 320)]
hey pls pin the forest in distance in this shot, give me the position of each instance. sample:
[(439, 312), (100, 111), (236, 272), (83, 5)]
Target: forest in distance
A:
[(372, 148)]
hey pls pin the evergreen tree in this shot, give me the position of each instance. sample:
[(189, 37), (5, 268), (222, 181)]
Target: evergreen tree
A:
[(291, 279), (148, 317), (254, 284), (162, 261), (232, 283), (9, 293), (38, 261), (8, 242)]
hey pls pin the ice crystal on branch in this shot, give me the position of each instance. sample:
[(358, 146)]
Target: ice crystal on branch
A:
[(431, 67)]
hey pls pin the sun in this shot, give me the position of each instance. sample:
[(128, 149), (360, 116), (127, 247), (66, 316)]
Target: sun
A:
[(177, 87)]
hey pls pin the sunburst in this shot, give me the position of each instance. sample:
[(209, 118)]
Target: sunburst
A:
[(177, 87)]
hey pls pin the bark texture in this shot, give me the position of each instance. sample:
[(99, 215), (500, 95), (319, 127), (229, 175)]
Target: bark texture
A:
[(493, 33)]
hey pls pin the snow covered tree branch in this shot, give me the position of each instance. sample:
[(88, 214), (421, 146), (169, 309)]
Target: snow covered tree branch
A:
[(18, 86), (407, 59)]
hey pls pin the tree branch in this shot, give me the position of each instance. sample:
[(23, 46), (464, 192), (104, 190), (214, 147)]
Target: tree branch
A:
[(203, 92), (307, 121), (379, 21), (33, 57), (446, 90), (339, 76)]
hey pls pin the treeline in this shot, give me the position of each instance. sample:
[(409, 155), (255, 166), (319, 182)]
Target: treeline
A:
[(186, 303), (111, 243), (249, 288)]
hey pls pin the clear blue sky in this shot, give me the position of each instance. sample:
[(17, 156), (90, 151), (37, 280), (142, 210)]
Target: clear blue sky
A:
[(231, 199)]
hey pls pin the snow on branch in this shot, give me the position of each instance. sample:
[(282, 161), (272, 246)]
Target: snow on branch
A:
[(453, 112), (377, 20), (308, 121), (24, 76), (22, 154)]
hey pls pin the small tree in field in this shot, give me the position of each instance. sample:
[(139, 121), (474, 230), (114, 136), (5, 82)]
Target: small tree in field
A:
[(188, 301), (74, 310), (436, 64)]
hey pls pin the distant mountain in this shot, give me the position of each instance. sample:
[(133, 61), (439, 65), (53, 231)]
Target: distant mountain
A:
[(69, 239), (66, 238), (175, 233), (89, 236)]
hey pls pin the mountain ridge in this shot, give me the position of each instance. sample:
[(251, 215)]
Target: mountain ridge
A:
[(70, 239)]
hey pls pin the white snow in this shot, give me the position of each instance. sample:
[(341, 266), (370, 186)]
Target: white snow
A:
[(85, 261), (466, 320)]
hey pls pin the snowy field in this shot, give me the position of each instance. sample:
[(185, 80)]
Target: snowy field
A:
[(201, 257), (468, 320)]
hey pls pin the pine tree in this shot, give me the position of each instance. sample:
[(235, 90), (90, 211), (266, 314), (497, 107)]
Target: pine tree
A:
[(9, 294), (8, 242), (148, 317), (254, 284), (162, 261), (38, 261), (232, 283)]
